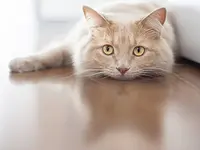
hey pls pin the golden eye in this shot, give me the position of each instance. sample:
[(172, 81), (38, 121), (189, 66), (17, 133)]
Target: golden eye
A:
[(108, 50), (138, 51)]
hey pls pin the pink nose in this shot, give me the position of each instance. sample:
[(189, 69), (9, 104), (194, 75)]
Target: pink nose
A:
[(122, 70)]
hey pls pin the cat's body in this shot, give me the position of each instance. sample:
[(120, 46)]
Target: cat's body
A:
[(121, 27)]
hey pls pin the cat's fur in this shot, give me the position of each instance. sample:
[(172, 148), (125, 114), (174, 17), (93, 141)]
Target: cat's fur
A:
[(124, 25)]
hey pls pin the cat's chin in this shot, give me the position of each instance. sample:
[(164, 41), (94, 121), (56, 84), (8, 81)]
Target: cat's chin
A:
[(123, 78), (128, 78)]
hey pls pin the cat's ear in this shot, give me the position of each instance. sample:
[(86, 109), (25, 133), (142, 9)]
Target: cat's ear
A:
[(94, 19), (155, 20), (157, 16)]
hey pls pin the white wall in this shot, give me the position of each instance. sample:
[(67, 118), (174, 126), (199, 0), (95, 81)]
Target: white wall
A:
[(18, 28), (64, 9)]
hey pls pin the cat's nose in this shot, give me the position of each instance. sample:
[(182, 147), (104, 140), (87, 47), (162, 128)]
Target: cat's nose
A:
[(122, 70)]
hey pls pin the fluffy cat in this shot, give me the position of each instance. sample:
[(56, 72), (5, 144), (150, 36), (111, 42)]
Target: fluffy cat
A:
[(122, 40)]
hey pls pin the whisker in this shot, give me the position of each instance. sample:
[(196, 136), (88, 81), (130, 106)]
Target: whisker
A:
[(86, 73)]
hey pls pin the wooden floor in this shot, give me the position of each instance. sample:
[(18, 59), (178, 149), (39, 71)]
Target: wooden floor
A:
[(53, 110)]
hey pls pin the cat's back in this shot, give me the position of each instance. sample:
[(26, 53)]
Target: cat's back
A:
[(127, 11)]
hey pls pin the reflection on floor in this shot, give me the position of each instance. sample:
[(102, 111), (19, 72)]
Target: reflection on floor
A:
[(53, 109)]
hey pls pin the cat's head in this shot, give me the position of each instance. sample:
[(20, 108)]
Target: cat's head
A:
[(126, 50)]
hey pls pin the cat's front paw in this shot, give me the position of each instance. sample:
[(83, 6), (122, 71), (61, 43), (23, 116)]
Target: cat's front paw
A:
[(23, 65)]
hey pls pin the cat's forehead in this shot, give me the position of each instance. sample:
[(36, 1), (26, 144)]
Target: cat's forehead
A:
[(120, 34)]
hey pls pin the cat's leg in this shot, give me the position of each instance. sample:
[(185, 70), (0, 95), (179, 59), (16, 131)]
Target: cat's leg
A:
[(52, 57)]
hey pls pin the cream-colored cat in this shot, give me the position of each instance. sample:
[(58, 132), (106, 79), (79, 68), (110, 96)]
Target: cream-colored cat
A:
[(122, 40)]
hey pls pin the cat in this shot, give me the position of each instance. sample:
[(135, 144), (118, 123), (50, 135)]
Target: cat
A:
[(121, 40)]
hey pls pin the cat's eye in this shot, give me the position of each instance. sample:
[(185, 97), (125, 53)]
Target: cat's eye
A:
[(108, 50), (138, 51)]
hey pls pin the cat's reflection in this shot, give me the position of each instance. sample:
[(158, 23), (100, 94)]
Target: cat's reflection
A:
[(58, 75), (115, 114), (124, 114)]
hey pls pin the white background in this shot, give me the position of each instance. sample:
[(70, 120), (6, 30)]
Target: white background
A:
[(60, 10)]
